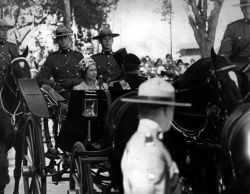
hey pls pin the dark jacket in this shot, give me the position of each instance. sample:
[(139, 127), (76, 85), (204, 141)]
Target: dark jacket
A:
[(107, 66), (133, 81), (236, 41), (8, 51), (61, 66)]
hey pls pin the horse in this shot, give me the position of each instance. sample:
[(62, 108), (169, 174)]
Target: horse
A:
[(214, 88), (236, 151), (11, 115)]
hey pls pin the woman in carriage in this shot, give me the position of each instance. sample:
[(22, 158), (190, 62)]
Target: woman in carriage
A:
[(88, 72)]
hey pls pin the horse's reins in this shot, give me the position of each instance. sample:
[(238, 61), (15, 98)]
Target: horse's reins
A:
[(181, 129), (13, 116)]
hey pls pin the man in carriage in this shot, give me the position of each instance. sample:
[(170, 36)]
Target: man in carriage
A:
[(131, 79), (59, 70), (61, 65), (107, 66)]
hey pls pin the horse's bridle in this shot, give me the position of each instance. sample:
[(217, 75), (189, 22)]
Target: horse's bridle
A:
[(15, 93), (213, 76)]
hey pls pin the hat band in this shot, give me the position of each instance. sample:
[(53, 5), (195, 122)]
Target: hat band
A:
[(155, 98)]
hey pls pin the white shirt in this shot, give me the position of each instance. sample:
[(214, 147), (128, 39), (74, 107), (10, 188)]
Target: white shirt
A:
[(146, 163)]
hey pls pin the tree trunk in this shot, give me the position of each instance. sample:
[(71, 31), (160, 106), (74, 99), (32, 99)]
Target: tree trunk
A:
[(204, 26), (67, 17)]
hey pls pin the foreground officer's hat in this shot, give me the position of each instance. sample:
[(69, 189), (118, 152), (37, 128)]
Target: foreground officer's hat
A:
[(62, 31), (156, 91), (4, 24), (105, 31), (243, 3)]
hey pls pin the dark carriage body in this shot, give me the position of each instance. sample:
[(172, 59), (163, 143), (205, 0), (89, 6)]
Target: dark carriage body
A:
[(33, 97)]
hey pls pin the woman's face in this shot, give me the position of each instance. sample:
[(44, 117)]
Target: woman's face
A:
[(91, 73)]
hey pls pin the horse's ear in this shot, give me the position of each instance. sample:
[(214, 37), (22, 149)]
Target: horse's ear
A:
[(213, 54), (25, 52)]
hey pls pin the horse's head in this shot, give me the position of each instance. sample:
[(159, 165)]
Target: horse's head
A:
[(225, 82), (20, 67)]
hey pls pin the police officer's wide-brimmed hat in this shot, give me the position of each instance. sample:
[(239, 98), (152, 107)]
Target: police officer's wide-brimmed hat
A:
[(62, 31), (4, 24), (105, 31), (156, 91), (242, 3)]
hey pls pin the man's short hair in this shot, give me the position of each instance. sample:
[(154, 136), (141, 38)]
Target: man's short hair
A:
[(131, 62)]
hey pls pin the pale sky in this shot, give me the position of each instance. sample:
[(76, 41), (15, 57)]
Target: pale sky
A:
[(143, 32)]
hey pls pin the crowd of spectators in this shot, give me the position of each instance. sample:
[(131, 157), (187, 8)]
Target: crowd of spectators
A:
[(161, 67)]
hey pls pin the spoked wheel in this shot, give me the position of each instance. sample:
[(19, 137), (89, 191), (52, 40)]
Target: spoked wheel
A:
[(34, 177), (80, 172)]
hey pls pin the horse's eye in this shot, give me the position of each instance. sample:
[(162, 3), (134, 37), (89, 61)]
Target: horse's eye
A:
[(21, 64)]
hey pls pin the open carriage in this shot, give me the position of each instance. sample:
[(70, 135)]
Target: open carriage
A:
[(85, 140), (88, 166)]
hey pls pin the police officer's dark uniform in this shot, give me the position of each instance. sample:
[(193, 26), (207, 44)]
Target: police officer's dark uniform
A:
[(131, 79), (235, 44), (105, 61), (8, 51), (61, 66)]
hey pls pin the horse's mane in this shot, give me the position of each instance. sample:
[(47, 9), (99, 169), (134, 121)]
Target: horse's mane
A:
[(195, 74)]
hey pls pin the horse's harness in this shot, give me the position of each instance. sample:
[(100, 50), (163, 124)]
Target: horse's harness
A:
[(210, 109)]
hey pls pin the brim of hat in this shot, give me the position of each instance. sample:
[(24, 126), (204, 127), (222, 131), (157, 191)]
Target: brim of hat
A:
[(159, 102), (241, 5), (100, 37)]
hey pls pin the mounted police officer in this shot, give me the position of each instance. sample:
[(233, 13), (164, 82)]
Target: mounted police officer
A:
[(147, 165), (131, 79), (107, 65), (61, 65), (235, 44), (8, 50)]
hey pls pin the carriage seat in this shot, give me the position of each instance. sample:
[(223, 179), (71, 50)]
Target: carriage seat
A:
[(75, 126)]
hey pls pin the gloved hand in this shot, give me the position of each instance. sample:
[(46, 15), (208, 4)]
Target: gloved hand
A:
[(57, 86)]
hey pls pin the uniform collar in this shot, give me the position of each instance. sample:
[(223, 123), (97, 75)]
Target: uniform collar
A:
[(107, 52), (148, 126), (64, 51)]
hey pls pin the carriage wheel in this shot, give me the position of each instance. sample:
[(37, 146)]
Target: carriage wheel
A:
[(34, 177), (80, 173)]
